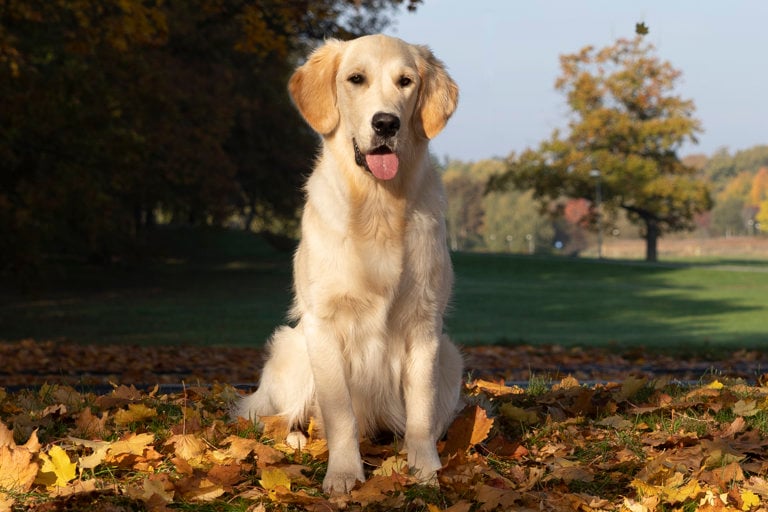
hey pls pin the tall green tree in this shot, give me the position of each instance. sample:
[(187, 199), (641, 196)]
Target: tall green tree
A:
[(626, 122)]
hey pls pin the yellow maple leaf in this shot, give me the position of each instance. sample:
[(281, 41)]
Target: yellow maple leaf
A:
[(749, 500), (716, 384), (134, 413), (394, 464), (272, 479), (133, 444), (57, 469), (682, 493)]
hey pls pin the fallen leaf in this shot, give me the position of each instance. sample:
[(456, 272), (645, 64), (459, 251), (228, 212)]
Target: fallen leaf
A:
[(151, 491), (17, 471), (630, 387), (749, 500), (271, 479), (496, 389), (6, 436), (616, 422), (189, 447), (375, 489), (134, 413), (567, 383), (394, 464), (99, 448), (470, 428), (6, 501), (745, 408), (518, 415), (56, 469)]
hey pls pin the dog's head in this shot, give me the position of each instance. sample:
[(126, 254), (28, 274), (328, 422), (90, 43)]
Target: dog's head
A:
[(378, 94)]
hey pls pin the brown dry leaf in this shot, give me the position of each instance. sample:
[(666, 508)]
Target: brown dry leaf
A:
[(567, 383), (491, 498), (266, 455), (226, 475), (88, 424), (6, 436), (77, 487), (188, 447), (471, 427), (630, 387), (199, 488), (617, 422), (736, 426), (746, 408), (154, 492), (460, 506), (274, 427), (239, 449), (568, 471), (719, 453), (17, 470), (119, 397), (376, 489)]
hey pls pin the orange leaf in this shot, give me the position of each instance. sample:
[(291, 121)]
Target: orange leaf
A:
[(471, 427)]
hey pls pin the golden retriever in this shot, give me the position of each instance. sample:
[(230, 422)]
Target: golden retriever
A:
[(372, 273)]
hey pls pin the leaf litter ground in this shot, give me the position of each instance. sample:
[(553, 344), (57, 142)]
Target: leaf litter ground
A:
[(85, 427)]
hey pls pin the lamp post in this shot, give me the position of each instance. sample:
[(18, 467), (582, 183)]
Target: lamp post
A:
[(595, 173)]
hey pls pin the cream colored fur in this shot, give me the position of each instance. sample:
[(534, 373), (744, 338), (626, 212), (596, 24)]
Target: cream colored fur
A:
[(372, 272)]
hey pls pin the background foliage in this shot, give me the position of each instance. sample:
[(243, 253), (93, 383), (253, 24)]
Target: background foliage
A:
[(117, 114)]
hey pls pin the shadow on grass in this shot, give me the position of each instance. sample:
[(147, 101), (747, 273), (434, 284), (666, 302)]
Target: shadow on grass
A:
[(235, 289), (673, 308)]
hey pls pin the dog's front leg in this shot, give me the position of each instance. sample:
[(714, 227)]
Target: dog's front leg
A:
[(345, 466), (421, 392)]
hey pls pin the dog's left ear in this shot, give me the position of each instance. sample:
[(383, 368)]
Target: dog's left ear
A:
[(439, 94), (313, 88)]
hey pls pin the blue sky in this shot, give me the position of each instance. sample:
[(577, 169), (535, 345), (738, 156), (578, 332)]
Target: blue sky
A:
[(504, 56)]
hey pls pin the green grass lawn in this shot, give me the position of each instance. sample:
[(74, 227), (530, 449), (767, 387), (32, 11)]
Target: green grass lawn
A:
[(235, 290)]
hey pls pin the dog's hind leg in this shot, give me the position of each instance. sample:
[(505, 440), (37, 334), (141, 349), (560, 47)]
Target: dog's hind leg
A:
[(286, 387)]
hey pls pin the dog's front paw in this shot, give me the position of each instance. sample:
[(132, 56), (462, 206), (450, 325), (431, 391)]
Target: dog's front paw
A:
[(424, 461), (340, 482)]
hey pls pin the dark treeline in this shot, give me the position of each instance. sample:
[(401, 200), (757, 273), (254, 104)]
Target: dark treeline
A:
[(116, 115)]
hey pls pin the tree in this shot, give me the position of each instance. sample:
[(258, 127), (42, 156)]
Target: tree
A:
[(627, 123), (464, 216), (114, 110)]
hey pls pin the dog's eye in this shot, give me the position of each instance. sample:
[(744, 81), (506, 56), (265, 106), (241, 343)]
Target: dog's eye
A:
[(356, 79), (404, 81)]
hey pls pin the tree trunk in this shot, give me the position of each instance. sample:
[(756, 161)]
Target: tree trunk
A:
[(651, 239)]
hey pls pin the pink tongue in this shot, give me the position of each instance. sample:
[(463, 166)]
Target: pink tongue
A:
[(384, 167)]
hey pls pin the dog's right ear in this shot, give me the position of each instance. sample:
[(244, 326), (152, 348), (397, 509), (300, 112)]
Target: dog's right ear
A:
[(313, 87)]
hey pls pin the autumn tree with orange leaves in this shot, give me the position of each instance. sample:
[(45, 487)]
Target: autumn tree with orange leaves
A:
[(628, 123)]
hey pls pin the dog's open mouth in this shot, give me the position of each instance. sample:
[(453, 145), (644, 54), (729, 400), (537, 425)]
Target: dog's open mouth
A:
[(382, 162)]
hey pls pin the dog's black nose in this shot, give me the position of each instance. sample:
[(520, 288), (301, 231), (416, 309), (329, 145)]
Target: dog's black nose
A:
[(385, 125)]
